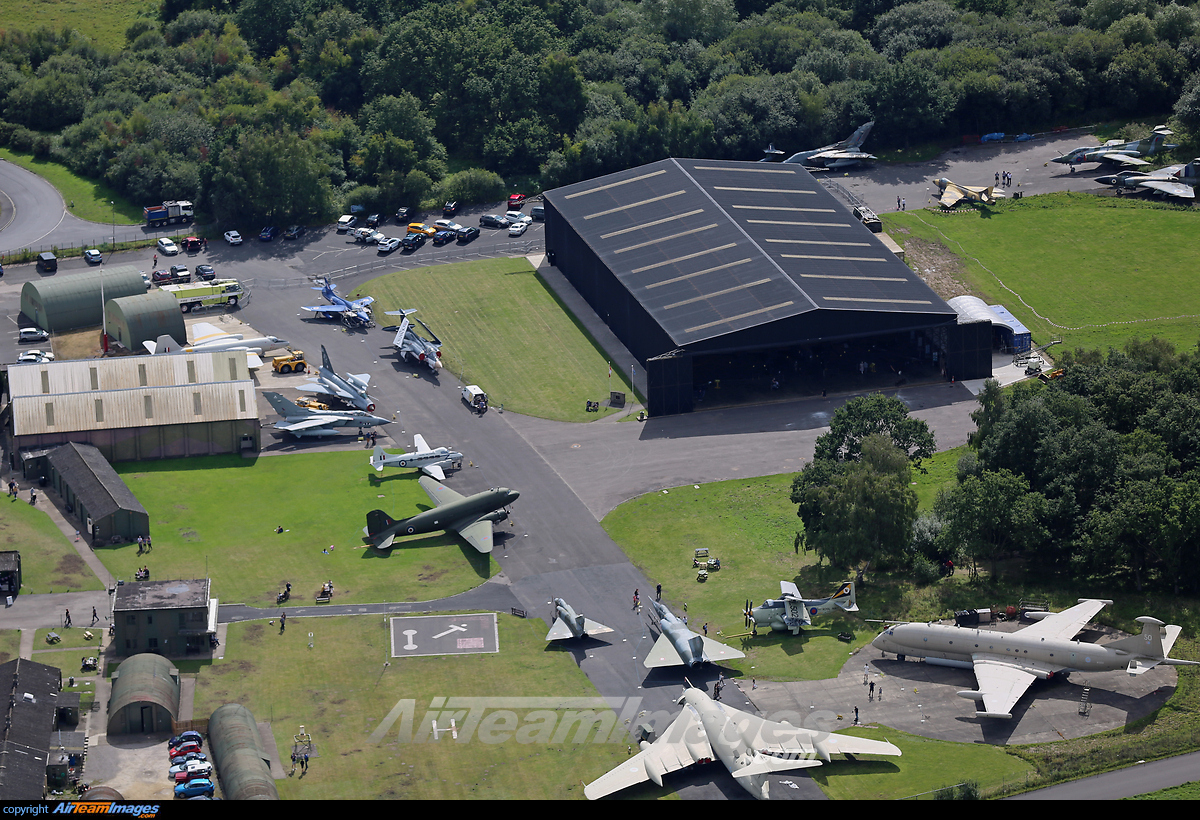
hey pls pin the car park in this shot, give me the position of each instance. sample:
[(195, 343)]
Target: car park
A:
[(205, 273), (233, 237), (200, 787), (518, 228), (413, 241), (450, 208), (538, 212), (32, 334), (294, 232), (373, 221), (268, 233), (92, 257), (35, 357), (516, 200), (388, 244), (167, 248), (442, 237), (421, 227), (347, 223), (493, 221), (467, 234), (514, 217)]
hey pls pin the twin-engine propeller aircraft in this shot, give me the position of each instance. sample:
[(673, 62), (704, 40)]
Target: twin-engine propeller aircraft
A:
[(426, 459), (471, 517), (1007, 663), (749, 746), (791, 611)]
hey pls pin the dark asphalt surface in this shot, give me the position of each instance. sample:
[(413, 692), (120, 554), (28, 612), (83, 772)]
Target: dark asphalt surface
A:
[(553, 545)]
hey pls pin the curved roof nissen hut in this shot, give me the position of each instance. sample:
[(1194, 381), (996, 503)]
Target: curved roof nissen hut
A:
[(133, 320), (145, 696), (69, 302), (236, 749)]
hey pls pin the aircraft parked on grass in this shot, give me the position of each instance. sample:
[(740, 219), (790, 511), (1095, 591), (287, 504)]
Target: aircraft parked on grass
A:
[(413, 346), (678, 645), (569, 625), (351, 388), (749, 746), (953, 193), (1007, 663), (1122, 153), (1173, 180), (427, 460), (354, 312), (301, 421), (469, 516), (838, 155), (211, 339), (791, 611)]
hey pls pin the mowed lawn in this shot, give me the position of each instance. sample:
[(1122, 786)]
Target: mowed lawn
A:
[(1092, 271), (216, 516), (503, 329), (49, 561)]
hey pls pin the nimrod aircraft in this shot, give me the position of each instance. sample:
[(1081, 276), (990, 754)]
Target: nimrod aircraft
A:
[(1007, 663)]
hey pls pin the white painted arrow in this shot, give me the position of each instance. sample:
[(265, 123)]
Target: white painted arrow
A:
[(453, 628)]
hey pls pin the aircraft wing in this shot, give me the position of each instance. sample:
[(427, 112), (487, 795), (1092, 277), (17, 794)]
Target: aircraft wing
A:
[(478, 534), (438, 492), (716, 651), (1001, 682), (670, 753), (1065, 625), (774, 737), (327, 309), (310, 423), (318, 386), (661, 654), (253, 361), (560, 631), (1178, 189), (363, 302), (950, 197), (419, 443), (362, 378), (836, 155), (1128, 160), (206, 332), (593, 628), (787, 588), (435, 471)]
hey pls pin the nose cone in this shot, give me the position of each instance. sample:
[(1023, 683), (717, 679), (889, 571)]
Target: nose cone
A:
[(511, 495), (941, 182)]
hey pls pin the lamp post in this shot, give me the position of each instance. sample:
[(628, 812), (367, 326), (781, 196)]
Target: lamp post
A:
[(112, 205)]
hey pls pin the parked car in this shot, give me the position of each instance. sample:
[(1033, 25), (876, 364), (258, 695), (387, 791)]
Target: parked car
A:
[(179, 760), (294, 232), (347, 223), (403, 215), (421, 227), (163, 277), (493, 221), (514, 217), (146, 279), (205, 273), (538, 212), (167, 248), (35, 357), (388, 244), (413, 241), (192, 244), (467, 234), (180, 273), (373, 221), (268, 233), (92, 257), (47, 262), (32, 334), (442, 237), (233, 237), (518, 228), (200, 787), (516, 200), (182, 749), (191, 735), (446, 225), (450, 208)]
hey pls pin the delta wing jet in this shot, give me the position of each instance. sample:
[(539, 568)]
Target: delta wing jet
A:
[(749, 746), (350, 388), (1007, 663), (430, 461), (790, 612), (953, 193), (353, 312), (680, 646), (1128, 154), (208, 338), (567, 624), (1174, 180), (300, 421), (471, 516), (414, 347), (839, 155)]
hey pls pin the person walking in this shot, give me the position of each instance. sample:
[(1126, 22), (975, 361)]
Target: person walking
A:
[(282, 622), (67, 618), (33, 495), (95, 616), (658, 593), (855, 715)]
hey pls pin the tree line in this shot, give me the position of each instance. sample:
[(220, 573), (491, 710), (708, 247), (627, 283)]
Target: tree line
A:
[(1094, 476), (290, 108)]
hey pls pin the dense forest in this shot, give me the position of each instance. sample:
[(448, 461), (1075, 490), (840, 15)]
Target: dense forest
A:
[(288, 109)]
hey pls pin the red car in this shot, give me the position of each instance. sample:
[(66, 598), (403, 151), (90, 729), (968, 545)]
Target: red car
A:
[(515, 201), (182, 749)]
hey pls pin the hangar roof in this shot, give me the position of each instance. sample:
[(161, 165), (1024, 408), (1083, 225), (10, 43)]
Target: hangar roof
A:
[(712, 247)]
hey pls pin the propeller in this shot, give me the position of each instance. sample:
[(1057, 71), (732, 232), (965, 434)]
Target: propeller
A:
[(748, 612)]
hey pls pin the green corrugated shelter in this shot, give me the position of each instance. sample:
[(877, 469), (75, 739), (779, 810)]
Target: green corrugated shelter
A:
[(236, 750), (69, 302), (145, 696), (143, 318)]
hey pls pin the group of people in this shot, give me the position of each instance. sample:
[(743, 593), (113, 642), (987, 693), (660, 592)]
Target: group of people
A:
[(327, 589), (1005, 178), (142, 574), (144, 544), (593, 407)]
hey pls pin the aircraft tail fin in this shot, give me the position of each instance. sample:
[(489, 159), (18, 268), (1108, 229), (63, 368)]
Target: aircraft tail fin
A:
[(1153, 645), (377, 522), (860, 135), (377, 459), (845, 597), (325, 363), (165, 344), (283, 407)]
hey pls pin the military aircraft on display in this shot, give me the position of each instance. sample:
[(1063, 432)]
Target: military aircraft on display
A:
[(1173, 180), (680, 646), (569, 625), (791, 611), (953, 193), (839, 155), (428, 460), (353, 312), (350, 388), (1007, 663), (413, 346), (300, 421), (211, 339), (1121, 153), (469, 516), (749, 746)]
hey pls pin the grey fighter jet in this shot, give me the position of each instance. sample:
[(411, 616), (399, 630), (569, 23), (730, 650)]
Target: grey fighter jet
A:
[(1007, 663), (1127, 154), (749, 746), (350, 388), (680, 646), (1173, 180), (430, 461), (471, 517), (567, 624), (414, 347), (839, 155), (301, 421)]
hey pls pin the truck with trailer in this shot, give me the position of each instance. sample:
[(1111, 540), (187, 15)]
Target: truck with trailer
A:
[(206, 294), (168, 213)]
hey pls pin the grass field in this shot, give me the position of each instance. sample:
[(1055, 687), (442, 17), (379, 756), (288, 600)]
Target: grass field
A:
[(101, 21), (10, 644), (49, 562), (1091, 271), (543, 364), (216, 516), (85, 198)]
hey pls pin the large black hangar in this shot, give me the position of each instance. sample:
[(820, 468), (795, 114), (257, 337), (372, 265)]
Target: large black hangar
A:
[(744, 276)]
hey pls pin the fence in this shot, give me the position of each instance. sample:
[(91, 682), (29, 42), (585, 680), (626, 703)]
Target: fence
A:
[(126, 238)]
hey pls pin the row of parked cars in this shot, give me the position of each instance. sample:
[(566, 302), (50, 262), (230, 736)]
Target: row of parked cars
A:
[(191, 771)]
